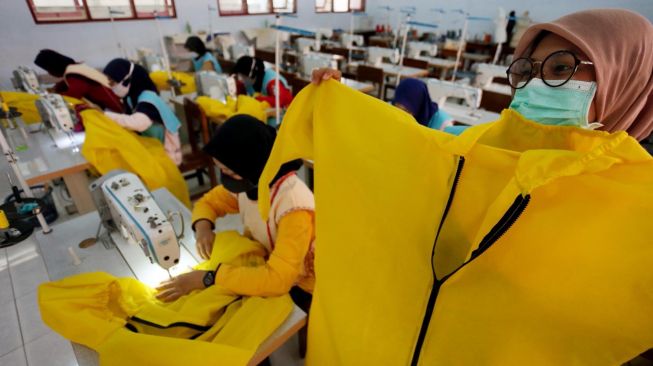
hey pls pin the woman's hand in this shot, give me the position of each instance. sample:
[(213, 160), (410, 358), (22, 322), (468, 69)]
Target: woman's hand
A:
[(324, 74), (181, 285), (204, 237)]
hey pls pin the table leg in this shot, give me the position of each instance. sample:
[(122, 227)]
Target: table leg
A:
[(77, 185)]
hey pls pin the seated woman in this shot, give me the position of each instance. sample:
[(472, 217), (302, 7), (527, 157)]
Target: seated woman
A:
[(257, 79), (412, 96), (203, 59), (78, 80), (241, 148), (146, 113)]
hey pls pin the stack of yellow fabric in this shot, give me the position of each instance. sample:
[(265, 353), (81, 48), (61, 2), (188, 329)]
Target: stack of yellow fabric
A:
[(121, 319), (514, 243), (243, 105), (108, 146), (25, 104)]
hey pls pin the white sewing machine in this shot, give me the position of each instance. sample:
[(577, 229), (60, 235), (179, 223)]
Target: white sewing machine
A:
[(217, 86), (485, 74), (375, 55), (349, 40), (150, 60), (441, 90), (125, 205), (238, 50), (416, 49), (25, 79), (306, 45), (57, 118), (312, 61)]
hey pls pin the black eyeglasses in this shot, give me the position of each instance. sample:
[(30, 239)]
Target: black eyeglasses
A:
[(556, 69)]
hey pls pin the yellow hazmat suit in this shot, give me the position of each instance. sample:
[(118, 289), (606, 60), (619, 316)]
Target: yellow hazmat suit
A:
[(121, 319), (25, 104), (514, 243), (243, 105), (108, 146), (187, 79)]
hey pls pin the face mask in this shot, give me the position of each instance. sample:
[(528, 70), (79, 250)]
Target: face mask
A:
[(236, 185), (567, 105), (120, 89)]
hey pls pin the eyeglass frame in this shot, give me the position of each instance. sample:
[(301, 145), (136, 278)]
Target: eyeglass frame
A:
[(577, 63)]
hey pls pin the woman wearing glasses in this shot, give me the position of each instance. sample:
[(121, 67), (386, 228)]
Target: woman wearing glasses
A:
[(565, 73)]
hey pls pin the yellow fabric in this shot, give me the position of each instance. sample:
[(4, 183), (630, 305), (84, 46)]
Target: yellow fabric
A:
[(160, 79), (93, 309), (243, 105), (108, 146), (568, 283), (282, 269), (25, 104)]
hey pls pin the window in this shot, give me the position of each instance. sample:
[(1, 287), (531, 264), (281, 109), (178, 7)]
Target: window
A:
[(254, 7), (53, 11), (339, 6)]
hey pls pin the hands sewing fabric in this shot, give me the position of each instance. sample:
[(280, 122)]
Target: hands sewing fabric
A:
[(204, 237), (324, 74), (181, 285)]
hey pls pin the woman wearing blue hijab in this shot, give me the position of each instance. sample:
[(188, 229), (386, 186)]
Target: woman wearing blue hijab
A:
[(412, 96)]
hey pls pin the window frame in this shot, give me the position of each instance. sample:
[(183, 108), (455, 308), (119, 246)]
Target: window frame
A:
[(84, 9), (331, 11), (245, 12)]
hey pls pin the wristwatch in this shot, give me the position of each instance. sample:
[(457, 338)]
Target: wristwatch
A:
[(209, 278)]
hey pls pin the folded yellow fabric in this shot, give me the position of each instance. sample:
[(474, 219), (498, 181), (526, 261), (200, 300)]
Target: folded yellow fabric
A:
[(122, 320), (160, 79), (108, 146), (514, 243), (243, 105)]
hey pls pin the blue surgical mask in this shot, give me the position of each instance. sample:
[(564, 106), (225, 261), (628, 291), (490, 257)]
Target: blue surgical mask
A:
[(566, 105)]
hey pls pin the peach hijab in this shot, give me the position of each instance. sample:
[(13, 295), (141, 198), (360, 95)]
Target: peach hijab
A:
[(620, 43)]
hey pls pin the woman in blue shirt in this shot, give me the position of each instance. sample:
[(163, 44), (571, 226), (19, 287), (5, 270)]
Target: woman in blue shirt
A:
[(203, 59)]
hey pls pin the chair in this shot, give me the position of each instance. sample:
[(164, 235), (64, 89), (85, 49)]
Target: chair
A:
[(196, 160), (227, 65), (495, 102), (418, 64), (297, 84), (373, 75), (264, 55)]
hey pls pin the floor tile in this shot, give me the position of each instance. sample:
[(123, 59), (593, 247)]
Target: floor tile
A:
[(50, 350), (10, 337), (29, 318), (14, 358)]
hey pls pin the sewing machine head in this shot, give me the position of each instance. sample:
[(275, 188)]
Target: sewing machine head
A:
[(125, 205), (440, 90), (239, 50), (217, 86), (350, 40), (416, 49), (25, 79), (312, 61), (150, 60), (306, 45), (485, 73), (375, 55), (57, 117)]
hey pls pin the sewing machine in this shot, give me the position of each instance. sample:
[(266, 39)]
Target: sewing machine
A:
[(417, 49), (238, 50), (375, 55), (306, 45), (217, 86), (440, 90), (25, 79), (150, 60), (312, 61), (58, 119), (349, 40), (485, 74), (125, 205)]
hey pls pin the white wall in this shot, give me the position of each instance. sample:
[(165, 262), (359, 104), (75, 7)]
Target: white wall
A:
[(540, 10), (95, 44)]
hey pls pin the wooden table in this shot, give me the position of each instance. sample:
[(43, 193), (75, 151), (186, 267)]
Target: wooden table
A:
[(444, 65), (469, 116), (59, 264), (358, 85), (43, 162)]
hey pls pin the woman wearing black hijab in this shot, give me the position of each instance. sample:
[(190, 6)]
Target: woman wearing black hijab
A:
[(78, 80), (146, 113), (241, 148), (203, 59)]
